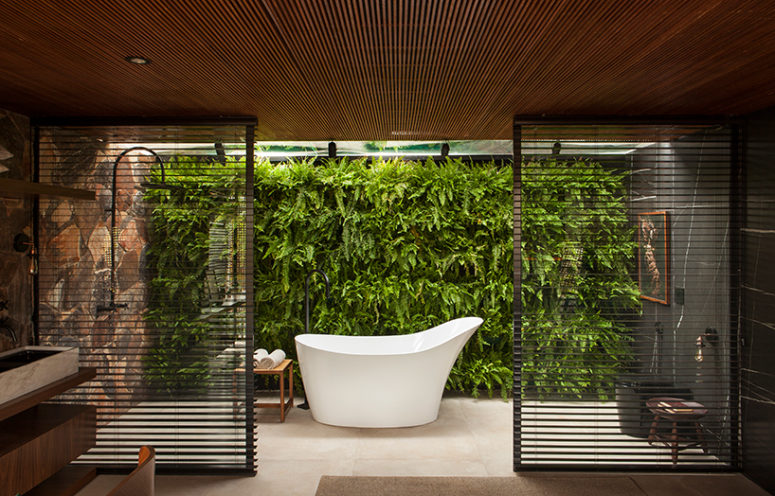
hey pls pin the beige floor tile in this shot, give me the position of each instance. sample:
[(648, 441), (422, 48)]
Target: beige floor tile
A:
[(442, 439), (484, 407), (499, 466), (314, 449), (177, 485), (301, 437), (471, 437), (291, 479), (442, 427), (494, 410), (274, 478), (492, 445), (414, 448), (313, 446), (299, 424)]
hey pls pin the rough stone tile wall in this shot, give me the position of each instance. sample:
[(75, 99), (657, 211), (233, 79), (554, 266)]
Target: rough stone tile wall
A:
[(15, 217), (75, 279)]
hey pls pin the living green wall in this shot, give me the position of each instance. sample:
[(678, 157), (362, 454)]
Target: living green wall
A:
[(577, 290), (409, 245), (181, 292), (406, 246)]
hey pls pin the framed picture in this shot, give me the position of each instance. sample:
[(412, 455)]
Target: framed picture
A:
[(654, 256)]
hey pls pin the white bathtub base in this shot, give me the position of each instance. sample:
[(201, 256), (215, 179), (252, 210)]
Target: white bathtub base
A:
[(380, 381)]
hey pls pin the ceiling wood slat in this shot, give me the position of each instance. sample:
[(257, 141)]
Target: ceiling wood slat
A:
[(387, 69)]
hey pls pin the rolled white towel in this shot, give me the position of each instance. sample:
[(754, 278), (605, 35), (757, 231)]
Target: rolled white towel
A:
[(273, 360), (259, 355)]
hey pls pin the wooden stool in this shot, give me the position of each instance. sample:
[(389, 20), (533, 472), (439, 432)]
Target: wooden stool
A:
[(283, 405), (676, 410)]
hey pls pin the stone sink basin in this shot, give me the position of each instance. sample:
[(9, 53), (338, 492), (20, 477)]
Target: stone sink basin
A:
[(25, 369)]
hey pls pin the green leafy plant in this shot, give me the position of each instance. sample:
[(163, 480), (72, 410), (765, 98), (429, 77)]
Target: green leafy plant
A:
[(577, 254), (179, 259), (489, 372), (406, 245)]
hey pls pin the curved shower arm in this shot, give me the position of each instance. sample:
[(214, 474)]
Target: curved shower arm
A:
[(135, 148), (112, 233)]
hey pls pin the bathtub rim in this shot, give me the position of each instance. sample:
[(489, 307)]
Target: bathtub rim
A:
[(343, 337)]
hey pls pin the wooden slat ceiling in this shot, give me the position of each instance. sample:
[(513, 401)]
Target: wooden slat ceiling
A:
[(386, 69)]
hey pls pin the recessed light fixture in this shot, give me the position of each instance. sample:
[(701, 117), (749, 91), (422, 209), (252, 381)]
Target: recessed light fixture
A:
[(133, 59)]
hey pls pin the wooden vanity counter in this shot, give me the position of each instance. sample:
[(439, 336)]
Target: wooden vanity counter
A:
[(38, 440)]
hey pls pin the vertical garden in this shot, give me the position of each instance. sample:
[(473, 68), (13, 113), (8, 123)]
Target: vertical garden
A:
[(408, 245), (578, 292)]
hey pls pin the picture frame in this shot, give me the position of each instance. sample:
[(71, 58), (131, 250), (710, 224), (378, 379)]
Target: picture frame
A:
[(654, 256)]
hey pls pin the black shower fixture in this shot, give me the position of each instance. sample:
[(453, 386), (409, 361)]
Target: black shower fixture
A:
[(711, 337), (144, 184), (331, 150), (445, 150), (21, 242), (111, 306), (220, 152)]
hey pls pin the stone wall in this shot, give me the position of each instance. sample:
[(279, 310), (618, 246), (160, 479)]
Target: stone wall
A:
[(75, 265), (16, 299)]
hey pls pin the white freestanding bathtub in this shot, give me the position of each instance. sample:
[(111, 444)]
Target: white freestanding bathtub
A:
[(380, 381)]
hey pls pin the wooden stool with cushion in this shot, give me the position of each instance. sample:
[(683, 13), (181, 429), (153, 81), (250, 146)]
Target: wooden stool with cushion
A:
[(675, 410)]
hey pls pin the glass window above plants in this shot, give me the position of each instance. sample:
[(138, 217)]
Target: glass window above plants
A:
[(281, 150)]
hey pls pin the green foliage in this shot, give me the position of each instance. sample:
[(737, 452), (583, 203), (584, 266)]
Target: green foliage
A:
[(488, 371), (406, 245), (178, 256), (577, 254)]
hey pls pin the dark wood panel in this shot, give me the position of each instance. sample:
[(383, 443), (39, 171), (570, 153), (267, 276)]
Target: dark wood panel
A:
[(37, 443), (404, 69), (32, 398), (66, 482)]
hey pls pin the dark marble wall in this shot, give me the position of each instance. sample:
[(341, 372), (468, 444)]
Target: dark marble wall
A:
[(689, 179), (15, 218), (758, 293)]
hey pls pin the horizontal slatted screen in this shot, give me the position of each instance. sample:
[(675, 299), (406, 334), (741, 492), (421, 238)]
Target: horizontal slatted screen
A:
[(150, 281), (625, 297)]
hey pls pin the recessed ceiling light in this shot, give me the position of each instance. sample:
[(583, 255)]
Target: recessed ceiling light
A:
[(133, 59)]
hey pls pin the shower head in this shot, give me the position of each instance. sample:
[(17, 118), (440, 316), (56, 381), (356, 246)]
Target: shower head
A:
[(146, 184)]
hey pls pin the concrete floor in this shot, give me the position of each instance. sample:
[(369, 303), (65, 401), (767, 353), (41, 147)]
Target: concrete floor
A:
[(470, 438)]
